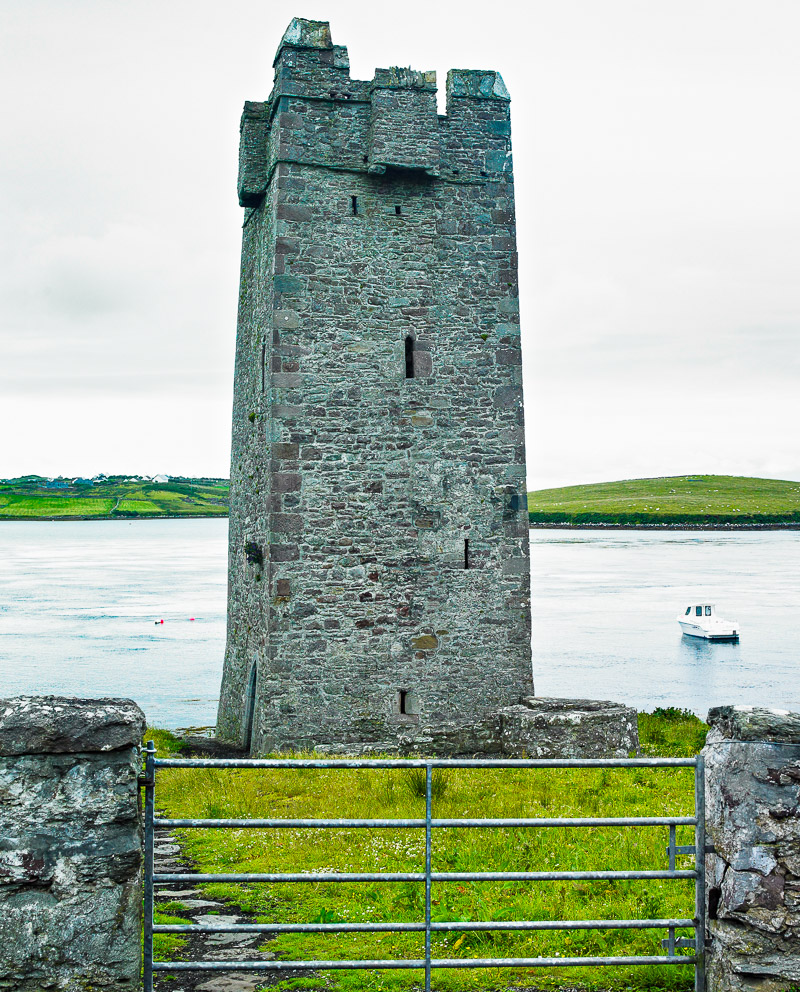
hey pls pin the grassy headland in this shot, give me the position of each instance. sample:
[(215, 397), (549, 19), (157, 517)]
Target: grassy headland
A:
[(681, 500), (118, 497), (399, 793)]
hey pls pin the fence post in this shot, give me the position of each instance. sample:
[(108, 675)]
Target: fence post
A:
[(149, 839), (428, 777), (700, 867)]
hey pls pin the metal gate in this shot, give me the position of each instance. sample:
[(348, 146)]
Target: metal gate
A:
[(671, 943)]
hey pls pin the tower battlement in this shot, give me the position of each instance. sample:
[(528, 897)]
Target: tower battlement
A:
[(317, 114), (378, 560)]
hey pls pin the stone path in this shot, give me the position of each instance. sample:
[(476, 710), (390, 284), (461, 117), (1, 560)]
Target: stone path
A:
[(208, 947)]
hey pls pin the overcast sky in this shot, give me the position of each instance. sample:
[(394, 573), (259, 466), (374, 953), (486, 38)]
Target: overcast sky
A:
[(657, 163)]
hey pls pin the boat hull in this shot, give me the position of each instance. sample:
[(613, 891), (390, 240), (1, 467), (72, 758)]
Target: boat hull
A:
[(693, 630)]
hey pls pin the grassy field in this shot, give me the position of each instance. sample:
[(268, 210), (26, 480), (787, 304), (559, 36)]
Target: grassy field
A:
[(117, 497), (692, 499), (456, 793)]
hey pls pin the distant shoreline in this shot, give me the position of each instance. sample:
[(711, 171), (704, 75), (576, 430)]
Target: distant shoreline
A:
[(119, 518), (565, 525), (704, 502), (112, 498), (538, 525)]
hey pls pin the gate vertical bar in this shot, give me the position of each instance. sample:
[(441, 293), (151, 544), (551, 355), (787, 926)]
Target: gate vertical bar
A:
[(700, 866), (149, 830), (428, 817)]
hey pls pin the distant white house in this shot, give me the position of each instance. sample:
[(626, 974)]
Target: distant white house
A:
[(160, 478)]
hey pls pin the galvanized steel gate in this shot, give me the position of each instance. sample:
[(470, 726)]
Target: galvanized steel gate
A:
[(671, 943)]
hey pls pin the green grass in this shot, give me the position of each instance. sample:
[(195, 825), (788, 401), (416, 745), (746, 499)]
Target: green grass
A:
[(26, 499), (27, 507), (693, 499), (167, 945), (458, 793), (140, 506)]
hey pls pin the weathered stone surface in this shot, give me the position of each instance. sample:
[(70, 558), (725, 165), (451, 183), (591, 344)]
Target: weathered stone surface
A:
[(753, 723), (538, 727), (389, 509), (63, 724), (753, 820), (542, 727), (70, 844)]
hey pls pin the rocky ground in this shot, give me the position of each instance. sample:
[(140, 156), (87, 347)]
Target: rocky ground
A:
[(206, 947), (169, 858)]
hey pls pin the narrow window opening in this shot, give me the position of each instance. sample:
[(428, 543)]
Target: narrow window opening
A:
[(409, 357), (250, 710), (263, 361), (397, 209), (514, 502), (354, 205), (466, 553), (402, 700)]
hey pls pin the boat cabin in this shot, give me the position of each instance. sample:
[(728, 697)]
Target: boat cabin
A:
[(703, 610)]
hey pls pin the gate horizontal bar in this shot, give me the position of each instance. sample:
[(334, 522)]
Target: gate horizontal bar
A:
[(409, 963), (416, 876), (420, 927), (578, 821), (425, 763)]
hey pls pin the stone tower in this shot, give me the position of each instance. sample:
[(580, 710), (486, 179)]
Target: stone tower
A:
[(379, 583)]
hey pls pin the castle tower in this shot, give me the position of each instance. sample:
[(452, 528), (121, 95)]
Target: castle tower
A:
[(379, 582)]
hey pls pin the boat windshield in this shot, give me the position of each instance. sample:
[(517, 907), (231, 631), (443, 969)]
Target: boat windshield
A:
[(688, 611), (698, 610), (708, 611)]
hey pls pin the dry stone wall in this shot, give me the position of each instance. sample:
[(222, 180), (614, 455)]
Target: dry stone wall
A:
[(753, 821), (70, 844), (378, 571)]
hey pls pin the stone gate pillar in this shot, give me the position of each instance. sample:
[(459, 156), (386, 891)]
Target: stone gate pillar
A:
[(70, 844), (753, 820)]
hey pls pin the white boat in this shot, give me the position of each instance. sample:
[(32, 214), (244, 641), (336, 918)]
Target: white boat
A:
[(701, 620)]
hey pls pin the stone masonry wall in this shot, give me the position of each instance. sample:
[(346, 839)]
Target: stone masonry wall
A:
[(378, 570), (753, 821), (70, 844)]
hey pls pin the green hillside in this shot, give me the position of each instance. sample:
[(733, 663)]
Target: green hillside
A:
[(699, 500), (33, 498)]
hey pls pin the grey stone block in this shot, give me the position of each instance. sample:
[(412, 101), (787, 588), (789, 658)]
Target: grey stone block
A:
[(753, 877), (70, 844), (63, 724), (544, 727)]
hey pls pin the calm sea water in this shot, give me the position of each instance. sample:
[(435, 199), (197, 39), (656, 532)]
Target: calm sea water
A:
[(604, 609), (79, 603)]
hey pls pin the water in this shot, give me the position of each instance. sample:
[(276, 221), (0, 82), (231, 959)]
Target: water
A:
[(79, 601), (604, 609)]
